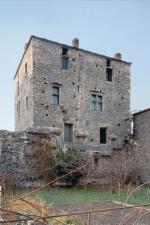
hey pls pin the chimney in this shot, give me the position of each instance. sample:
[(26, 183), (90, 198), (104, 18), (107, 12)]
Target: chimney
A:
[(75, 43), (118, 56)]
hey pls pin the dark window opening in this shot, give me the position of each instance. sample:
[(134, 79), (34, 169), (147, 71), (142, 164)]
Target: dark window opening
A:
[(103, 135), (27, 102), (108, 63), (64, 51), (68, 131), (109, 74), (55, 95), (64, 63), (26, 68)]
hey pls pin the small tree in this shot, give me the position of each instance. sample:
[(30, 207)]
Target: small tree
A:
[(69, 160)]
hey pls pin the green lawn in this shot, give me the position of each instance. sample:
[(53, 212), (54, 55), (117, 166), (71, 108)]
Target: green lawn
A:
[(91, 195)]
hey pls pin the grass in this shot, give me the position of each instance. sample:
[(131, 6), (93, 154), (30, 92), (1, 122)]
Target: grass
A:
[(91, 195), (74, 196)]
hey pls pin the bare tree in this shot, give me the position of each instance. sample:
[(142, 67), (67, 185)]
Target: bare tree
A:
[(118, 169)]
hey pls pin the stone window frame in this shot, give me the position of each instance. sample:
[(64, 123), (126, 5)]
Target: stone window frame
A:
[(71, 134), (96, 102), (56, 94), (64, 65), (109, 74), (102, 138)]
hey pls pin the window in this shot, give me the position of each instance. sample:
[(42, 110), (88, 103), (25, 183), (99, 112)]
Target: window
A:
[(55, 95), (64, 63), (18, 111), (26, 68), (96, 103), (27, 102), (68, 132), (109, 74), (103, 135), (108, 63), (64, 51)]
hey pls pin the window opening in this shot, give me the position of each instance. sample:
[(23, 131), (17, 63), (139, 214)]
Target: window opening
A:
[(103, 135), (68, 131)]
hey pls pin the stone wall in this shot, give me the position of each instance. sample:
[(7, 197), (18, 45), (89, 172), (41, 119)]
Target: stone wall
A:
[(142, 137), (17, 154)]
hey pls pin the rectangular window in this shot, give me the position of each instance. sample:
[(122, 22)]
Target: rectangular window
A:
[(27, 102), (96, 103), (55, 95), (68, 131), (64, 63), (64, 51), (103, 135), (109, 74), (108, 63), (26, 68)]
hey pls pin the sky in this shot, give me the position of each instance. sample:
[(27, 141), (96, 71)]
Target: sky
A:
[(103, 26)]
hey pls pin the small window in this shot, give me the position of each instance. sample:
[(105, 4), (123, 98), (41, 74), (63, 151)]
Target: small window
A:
[(96, 103), (55, 95), (108, 63), (27, 102), (68, 131), (64, 63), (109, 74), (103, 135), (26, 68), (64, 51)]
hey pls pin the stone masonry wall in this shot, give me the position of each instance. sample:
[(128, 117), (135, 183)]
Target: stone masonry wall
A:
[(17, 149), (23, 90), (142, 137)]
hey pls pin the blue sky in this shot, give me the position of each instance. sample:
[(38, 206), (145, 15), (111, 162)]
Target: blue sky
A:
[(104, 27)]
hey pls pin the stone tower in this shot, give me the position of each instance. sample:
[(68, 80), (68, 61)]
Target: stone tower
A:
[(83, 94)]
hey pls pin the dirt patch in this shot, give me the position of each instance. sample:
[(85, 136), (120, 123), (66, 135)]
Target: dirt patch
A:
[(117, 217)]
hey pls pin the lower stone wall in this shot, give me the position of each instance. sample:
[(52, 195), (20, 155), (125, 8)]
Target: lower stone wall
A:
[(141, 123), (18, 161)]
